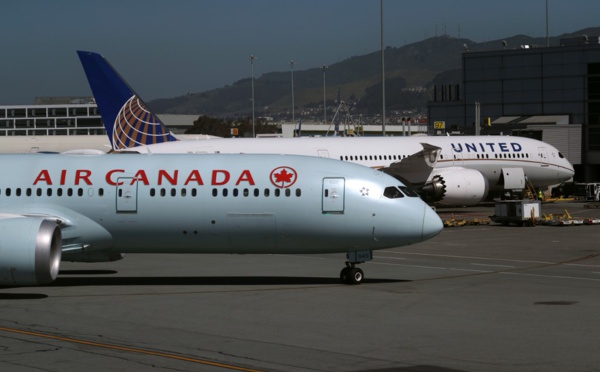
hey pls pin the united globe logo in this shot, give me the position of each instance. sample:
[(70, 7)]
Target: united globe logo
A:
[(135, 125)]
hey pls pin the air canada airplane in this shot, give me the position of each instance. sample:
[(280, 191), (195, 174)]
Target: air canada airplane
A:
[(448, 171), (92, 208)]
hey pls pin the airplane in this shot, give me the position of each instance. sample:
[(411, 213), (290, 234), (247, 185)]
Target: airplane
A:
[(96, 208), (446, 170)]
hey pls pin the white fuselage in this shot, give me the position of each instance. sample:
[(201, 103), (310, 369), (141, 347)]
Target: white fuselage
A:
[(542, 163)]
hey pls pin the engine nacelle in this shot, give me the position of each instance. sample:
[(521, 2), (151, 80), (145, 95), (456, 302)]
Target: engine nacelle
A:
[(458, 186), (30, 251)]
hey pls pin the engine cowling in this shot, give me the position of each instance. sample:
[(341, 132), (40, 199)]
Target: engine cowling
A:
[(30, 251), (457, 187)]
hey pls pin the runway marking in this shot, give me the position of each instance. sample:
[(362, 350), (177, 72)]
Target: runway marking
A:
[(551, 276), (129, 349), (471, 270), (515, 270), (491, 265), (470, 257)]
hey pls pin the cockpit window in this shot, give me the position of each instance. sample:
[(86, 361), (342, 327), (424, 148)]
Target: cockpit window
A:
[(560, 155), (408, 191), (392, 192)]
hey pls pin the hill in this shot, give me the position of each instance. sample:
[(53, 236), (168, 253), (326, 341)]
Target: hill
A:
[(411, 72)]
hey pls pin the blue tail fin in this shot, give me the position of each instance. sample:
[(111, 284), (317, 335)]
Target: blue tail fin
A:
[(126, 117)]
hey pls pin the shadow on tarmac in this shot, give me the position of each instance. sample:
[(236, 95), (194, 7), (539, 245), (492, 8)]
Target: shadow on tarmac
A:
[(210, 280)]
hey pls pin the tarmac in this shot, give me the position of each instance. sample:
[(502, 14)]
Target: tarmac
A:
[(482, 297)]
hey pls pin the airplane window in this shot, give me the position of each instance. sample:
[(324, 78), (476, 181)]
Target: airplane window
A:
[(173, 192), (326, 193), (183, 193), (38, 192), (215, 192), (69, 191), (163, 192), (256, 193), (49, 192), (100, 192), (246, 192), (298, 192), (235, 192), (224, 192), (80, 191), (18, 191), (408, 191), (341, 157), (370, 157), (267, 192), (361, 157), (28, 192), (194, 192), (385, 157), (277, 192), (392, 192), (7, 192), (288, 192), (58, 192), (441, 156), (152, 192)]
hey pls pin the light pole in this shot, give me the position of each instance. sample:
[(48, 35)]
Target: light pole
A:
[(252, 58), (382, 71), (324, 67), (292, 70)]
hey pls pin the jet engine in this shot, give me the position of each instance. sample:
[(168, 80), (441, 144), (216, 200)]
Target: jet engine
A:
[(456, 186), (30, 251)]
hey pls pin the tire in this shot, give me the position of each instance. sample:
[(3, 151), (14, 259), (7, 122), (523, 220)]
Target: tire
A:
[(356, 276), (345, 275)]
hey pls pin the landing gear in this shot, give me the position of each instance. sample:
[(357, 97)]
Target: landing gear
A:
[(352, 274)]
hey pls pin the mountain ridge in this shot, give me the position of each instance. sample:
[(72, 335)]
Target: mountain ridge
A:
[(413, 68)]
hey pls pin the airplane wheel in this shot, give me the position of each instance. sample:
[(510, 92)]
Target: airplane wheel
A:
[(345, 275), (356, 275), (352, 275)]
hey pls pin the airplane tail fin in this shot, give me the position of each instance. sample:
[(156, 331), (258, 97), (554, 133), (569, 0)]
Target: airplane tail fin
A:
[(127, 119)]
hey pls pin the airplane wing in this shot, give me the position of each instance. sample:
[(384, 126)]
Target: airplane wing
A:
[(417, 167)]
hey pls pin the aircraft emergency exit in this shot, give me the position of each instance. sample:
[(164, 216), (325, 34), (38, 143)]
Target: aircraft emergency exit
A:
[(448, 171), (91, 208)]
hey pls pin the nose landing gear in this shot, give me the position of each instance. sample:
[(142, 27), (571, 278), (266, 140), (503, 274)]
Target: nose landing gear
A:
[(352, 274)]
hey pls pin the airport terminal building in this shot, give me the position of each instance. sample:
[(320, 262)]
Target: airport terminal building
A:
[(549, 93)]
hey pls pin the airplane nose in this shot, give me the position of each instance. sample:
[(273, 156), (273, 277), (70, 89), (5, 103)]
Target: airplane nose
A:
[(432, 224)]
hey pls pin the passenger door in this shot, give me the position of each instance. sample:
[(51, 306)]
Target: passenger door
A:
[(333, 195), (126, 195)]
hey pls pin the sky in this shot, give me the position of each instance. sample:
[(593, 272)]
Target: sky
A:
[(170, 48)]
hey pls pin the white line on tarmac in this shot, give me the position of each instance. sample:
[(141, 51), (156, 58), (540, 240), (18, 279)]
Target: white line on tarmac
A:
[(490, 265)]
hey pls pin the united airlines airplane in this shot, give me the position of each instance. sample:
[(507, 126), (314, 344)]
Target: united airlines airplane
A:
[(91, 208), (448, 171)]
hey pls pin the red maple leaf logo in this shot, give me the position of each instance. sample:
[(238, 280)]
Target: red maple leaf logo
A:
[(283, 177)]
